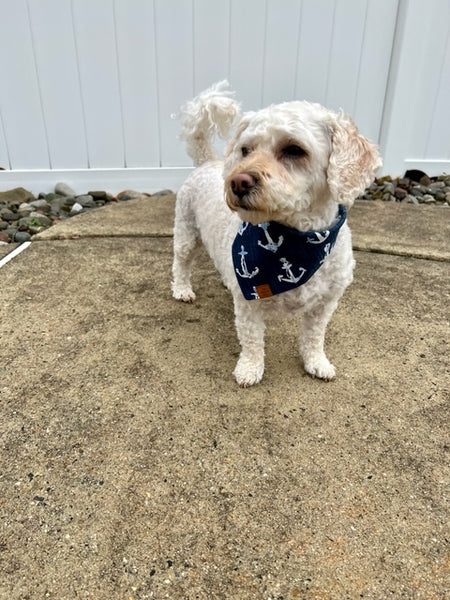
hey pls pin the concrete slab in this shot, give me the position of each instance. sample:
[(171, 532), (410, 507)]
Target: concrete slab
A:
[(391, 228), (403, 229), (144, 216), (5, 249), (132, 466)]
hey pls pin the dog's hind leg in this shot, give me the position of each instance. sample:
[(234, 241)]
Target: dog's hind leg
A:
[(185, 245), (312, 340)]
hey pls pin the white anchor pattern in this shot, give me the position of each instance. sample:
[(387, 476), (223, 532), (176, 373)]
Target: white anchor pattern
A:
[(321, 236), (271, 245), (265, 267), (326, 252), (245, 272), (242, 227), (286, 265)]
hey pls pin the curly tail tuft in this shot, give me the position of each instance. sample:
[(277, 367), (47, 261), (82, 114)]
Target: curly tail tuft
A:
[(211, 113)]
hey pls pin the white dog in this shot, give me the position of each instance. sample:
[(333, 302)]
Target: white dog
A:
[(279, 201)]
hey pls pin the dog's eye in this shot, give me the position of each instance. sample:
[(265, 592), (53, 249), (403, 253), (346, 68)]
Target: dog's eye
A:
[(245, 151), (293, 151)]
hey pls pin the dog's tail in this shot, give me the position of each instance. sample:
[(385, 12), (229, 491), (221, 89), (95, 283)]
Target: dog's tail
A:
[(211, 113)]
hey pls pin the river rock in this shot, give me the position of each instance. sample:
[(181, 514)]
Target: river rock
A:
[(64, 189), (98, 194), (15, 197), (76, 208), (86, 201), (25, 209), (22, 236), (41, 204), (8, 215)]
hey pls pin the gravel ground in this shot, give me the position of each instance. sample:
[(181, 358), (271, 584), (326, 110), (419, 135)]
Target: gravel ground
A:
[(415, 187), (22, 215)]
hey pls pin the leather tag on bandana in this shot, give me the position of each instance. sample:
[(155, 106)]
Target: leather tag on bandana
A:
[(263, 290)]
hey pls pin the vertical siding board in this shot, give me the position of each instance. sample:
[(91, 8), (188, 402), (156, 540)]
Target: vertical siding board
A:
[(375, 58), (51, 24), (348, 30), (438, 142), (4, 157), (97, 59), (175, 68), (135, 32), (406, 88), (316, 29), (435, 29), (211, 42), (282, 30), (248, 20), (19, 90)]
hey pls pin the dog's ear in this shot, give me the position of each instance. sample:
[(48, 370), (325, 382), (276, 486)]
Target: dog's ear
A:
[(231, 146), (353, 161)]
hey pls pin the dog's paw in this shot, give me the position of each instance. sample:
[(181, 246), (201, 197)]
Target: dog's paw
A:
[(321, 368), (248, 373), (184, 293)]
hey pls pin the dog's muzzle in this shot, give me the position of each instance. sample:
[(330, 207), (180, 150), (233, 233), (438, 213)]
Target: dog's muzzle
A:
[(241, 184), (241, 187)]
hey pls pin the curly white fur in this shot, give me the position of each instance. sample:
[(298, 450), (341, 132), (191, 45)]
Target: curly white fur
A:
[(298, 161), (212, 113)]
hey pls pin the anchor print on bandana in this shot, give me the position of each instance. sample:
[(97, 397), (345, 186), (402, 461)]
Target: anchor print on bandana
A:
[(243, 226), (271, 245), (326, 252), (245, 272), (289, 276), (321, 236)]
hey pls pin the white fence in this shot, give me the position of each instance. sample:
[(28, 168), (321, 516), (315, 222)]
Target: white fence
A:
[(88, 87)]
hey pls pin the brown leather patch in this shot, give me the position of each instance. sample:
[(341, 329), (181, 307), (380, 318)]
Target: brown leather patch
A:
[(264, 290)]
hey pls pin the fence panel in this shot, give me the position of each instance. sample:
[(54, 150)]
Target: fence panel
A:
[(281, 50), (415, 127), (438, 141), (316, 31), (89, 88), (59, 84), (211, 35), (374, 66), (174, 51), (99, 80), (247, 37), (20, 100), (136, 54)]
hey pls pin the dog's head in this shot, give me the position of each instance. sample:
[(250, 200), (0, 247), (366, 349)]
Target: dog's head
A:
[(295, 158)]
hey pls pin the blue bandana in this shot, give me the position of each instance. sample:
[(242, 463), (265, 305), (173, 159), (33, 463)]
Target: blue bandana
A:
[(271, 258)]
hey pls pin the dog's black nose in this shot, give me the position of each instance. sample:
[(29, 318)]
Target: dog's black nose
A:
[(242, 184)]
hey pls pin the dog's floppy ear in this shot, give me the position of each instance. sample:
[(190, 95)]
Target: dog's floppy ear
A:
[(243, 124), (353, 161)]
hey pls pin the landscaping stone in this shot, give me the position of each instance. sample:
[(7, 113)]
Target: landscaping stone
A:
[(64, 189), (415, 187), (16, 196), (86, 201), (19, 209), (76, 208), (22, 236), (41, 204)]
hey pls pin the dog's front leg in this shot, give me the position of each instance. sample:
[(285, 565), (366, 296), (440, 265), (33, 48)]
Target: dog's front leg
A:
[(250, 329), (312, 340)]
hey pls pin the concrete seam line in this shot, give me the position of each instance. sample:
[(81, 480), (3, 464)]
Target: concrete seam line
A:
[(95, 236), (401, 253), (14, 253)]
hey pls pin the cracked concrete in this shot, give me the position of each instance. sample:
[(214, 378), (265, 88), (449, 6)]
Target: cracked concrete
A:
[(133, 467)]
